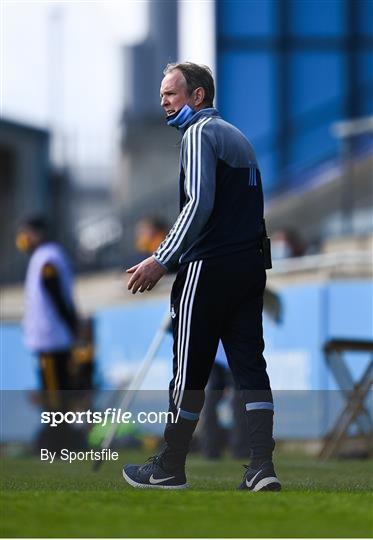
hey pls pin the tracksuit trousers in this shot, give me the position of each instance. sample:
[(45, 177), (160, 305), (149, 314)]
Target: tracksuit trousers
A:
[(213, 299)]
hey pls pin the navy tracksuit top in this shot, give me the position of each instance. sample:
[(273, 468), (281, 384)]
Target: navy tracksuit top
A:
[(221, 196)]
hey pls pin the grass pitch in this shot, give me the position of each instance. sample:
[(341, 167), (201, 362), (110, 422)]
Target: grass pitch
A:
[(332, 499)]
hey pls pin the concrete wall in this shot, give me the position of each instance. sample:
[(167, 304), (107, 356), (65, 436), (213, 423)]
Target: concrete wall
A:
[(306, 396)]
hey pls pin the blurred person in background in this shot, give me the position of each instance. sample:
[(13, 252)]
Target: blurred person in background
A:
[(216, 244), (287, 243), (213, 437), (150, 232), (50, 319)]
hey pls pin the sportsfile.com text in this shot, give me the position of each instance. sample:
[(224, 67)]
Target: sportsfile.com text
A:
[(108, 416)]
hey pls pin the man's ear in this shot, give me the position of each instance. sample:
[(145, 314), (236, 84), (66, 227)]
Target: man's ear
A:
[(199, 96)]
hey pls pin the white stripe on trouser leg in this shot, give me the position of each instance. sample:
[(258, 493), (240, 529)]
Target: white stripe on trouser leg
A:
[(186, 349), (180, 323), (184, 361), (183, 301)]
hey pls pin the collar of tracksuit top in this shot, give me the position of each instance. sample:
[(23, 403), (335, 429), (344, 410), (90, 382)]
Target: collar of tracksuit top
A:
[(209, 111)]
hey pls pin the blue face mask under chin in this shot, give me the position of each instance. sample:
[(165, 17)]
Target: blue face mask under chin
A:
[(181, 117)]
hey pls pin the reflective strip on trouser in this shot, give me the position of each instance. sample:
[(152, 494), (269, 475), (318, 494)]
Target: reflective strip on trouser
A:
[(185, 319), (259, 405), (188, 415)]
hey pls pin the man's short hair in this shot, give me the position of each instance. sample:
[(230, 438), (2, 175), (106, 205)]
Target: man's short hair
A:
[(196, 75)]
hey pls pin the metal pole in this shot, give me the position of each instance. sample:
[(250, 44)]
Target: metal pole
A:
[(130, 393)]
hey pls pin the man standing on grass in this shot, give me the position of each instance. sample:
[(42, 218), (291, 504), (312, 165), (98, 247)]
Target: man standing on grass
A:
[(216, 244), (50, 321)]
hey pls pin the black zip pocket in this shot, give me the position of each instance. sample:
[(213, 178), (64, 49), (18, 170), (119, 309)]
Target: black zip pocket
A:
[(266, 248)]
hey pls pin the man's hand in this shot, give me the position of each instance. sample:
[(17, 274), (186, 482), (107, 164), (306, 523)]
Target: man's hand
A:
[(145, 275)]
